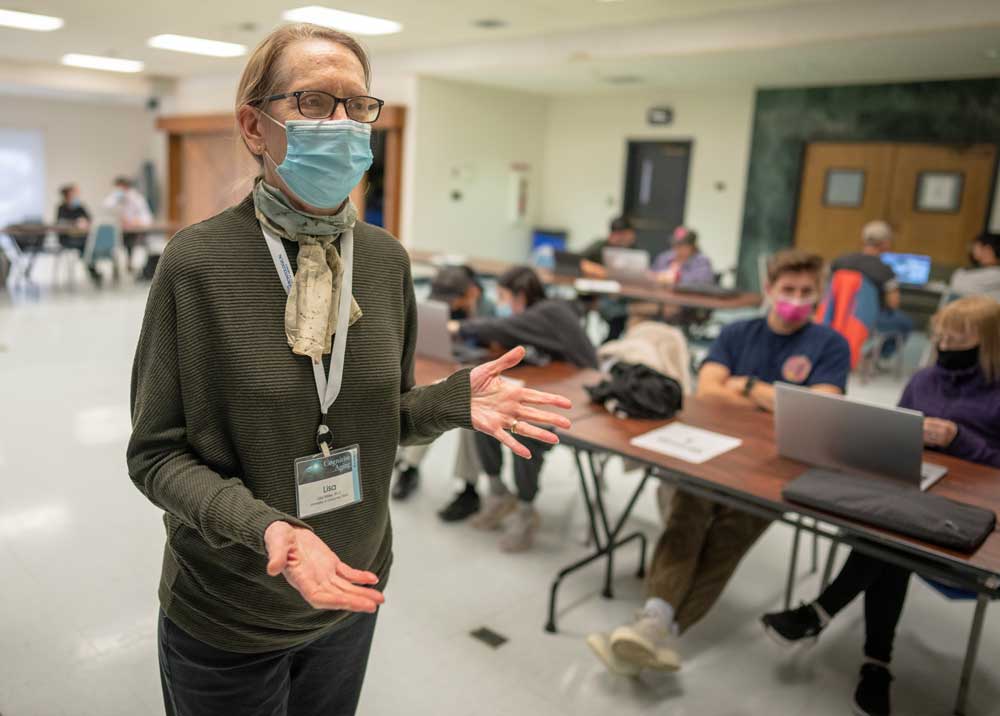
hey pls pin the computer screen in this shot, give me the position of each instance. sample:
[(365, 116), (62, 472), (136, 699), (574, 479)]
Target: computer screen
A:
[(554, 238), (909, 268)]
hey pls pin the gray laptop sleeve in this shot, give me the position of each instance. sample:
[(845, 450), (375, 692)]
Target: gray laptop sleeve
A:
[(916, 514)]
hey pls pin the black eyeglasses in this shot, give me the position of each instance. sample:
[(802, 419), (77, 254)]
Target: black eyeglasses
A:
[(314, 104)]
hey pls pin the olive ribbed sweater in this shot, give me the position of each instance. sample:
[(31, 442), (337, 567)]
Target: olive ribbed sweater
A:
[(221, 408)]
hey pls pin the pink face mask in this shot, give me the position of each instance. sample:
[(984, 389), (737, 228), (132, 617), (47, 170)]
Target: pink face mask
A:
[(794, 311)]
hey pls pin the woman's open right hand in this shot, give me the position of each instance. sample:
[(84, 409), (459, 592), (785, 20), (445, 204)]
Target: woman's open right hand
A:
[(316, 572)]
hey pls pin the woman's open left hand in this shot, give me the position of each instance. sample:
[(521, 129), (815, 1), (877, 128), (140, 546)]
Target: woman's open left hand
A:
[(499, 405)]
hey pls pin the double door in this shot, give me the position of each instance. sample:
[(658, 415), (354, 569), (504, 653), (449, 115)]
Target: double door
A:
[(935, 196)]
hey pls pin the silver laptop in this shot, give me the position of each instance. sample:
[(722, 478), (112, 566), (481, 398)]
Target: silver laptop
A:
[(630, 265), (435, 341), (833, 431)]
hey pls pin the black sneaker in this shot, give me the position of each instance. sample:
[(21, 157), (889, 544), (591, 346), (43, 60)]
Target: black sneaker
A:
[(793, 626), (871, 698), (464, 505), (406, 483)]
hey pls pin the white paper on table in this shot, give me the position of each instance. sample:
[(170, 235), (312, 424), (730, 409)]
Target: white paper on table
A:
[(596, 285), (686, 442)]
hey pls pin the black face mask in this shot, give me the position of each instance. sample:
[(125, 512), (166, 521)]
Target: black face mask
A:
[(459, 314), (958, 360)]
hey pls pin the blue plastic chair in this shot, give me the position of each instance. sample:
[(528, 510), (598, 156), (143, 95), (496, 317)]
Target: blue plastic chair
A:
[(104, 243)]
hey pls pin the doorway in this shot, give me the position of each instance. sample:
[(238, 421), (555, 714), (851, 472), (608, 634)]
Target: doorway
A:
[(935, 196), (656, 178)]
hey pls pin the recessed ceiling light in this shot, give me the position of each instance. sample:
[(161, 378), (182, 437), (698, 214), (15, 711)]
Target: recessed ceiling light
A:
[(340, 20), (490, 23), (30, 21), (197, 46), (94, 62)]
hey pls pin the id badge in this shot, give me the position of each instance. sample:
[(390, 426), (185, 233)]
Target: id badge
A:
[(324, 484)]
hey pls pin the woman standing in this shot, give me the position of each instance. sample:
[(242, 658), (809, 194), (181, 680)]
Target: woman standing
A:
[(272, 382)]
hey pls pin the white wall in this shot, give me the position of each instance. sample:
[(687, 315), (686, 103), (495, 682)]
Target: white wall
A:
[(85, 142), (585, 153), (466, 139)]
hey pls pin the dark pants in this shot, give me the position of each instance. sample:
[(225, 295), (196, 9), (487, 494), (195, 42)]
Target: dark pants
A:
[(131, 240), (897, 322), (79, 243), (525, 471), (884, 586), (321, 678)]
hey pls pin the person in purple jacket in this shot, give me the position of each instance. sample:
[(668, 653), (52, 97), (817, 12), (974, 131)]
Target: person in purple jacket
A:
[(960, 399), (683, 264)]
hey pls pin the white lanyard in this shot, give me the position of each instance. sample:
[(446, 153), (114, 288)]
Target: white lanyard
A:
[(327, 388)]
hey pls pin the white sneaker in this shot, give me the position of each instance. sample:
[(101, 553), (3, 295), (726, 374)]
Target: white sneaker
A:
[(600, 644), (646, 643), (519, 530), (495, 508)]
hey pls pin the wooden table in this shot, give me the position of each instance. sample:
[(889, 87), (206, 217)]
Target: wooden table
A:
[(16, 231), (650, 292), (752, 477)]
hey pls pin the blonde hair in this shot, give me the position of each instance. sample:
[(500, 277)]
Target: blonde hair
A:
[(260, 77), (980, 314)]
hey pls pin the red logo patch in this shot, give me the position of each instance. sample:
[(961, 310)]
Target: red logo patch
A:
[(796, 369)]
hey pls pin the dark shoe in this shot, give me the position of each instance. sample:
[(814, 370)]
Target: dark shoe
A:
[(406, 483), (465, 504), (795, 625), (871, 698)]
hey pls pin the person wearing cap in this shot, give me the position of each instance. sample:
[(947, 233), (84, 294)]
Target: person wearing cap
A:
[(459, 287), (876, 239), (683, 263)]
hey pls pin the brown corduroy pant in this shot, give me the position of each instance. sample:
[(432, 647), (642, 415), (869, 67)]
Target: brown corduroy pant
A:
[(698, 552)]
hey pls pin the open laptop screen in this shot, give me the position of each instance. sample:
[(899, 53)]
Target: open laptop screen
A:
[(909, 268)]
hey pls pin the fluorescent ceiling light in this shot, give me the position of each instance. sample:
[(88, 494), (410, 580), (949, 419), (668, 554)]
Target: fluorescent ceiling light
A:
[(93, 62), (345, 21), (29, 21), (197, 46)]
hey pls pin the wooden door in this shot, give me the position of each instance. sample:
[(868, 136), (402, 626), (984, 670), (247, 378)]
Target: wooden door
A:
[(936, 197), (926, 178), (844, 186), (216, 171)]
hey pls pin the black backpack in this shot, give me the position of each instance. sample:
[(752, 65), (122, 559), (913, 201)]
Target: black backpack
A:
[(638, 391)]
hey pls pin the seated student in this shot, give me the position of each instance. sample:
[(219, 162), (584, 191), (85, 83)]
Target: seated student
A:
[(984, 277), (704, 541), (552, 328), (621, 235), (71, 211), (459, 287), (876, 237), (960, 397), (683, 263), (613, 310)]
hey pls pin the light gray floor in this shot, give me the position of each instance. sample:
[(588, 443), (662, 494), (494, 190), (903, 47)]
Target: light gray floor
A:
[(80, 550)]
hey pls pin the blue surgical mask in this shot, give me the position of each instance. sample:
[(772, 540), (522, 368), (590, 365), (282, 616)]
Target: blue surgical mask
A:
[(504, 310), (324, 159)]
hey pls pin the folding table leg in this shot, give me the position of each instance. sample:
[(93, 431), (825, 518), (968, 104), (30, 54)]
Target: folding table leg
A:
[(970, 653), (793, 565), (828, 569)]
